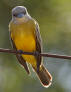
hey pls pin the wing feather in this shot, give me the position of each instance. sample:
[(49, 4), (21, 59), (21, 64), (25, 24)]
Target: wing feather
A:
[(38, 45), (20, 58)]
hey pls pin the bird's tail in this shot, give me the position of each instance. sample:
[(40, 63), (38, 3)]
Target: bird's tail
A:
[(44, 76)]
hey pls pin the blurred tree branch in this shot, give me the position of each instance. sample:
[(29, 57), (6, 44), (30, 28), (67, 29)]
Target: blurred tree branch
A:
[(35, 53)]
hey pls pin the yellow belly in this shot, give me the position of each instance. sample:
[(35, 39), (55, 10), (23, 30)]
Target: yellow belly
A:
[(26, 43), (23, 35)]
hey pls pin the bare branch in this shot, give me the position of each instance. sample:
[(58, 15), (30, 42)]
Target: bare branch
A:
[(33, 53)]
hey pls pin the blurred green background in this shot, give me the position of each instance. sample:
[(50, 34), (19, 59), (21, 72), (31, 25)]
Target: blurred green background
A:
[(54, 18)]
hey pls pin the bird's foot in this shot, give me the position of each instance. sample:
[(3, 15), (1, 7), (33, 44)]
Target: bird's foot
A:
[(20, 51), (36, 53)]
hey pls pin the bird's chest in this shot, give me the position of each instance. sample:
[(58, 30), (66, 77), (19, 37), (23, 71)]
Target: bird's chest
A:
[(24, 38)]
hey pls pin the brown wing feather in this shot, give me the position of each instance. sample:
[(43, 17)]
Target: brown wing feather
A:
[(20, 59), (38, 45)]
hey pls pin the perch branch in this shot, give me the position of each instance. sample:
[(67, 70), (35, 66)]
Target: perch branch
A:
[(32, 53)]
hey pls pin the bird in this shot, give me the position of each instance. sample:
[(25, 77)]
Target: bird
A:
[(25, 36)]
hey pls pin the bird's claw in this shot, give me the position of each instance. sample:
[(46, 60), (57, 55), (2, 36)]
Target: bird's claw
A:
[(20, 51)]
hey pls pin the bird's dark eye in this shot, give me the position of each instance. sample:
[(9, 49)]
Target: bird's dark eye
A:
[(24, 12), (15, 15)]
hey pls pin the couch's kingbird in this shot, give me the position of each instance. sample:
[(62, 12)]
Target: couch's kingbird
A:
[(25, 36)]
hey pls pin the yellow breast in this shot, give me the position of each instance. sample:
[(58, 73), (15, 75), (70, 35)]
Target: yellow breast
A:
[(23, 36), (25, 42)]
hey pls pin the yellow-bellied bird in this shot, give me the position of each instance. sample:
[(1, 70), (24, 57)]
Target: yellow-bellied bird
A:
[(25, 36)]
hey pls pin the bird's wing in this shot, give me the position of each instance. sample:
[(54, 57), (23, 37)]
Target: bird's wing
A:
[(38, 45), (20, 58)]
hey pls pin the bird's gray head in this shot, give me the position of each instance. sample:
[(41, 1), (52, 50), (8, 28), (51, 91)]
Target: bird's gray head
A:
[(19, 11)]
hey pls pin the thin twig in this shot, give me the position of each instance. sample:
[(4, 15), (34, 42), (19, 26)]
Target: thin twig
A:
[(32, 53)]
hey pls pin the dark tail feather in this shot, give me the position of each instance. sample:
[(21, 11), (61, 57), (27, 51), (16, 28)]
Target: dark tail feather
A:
[(44, 76)]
